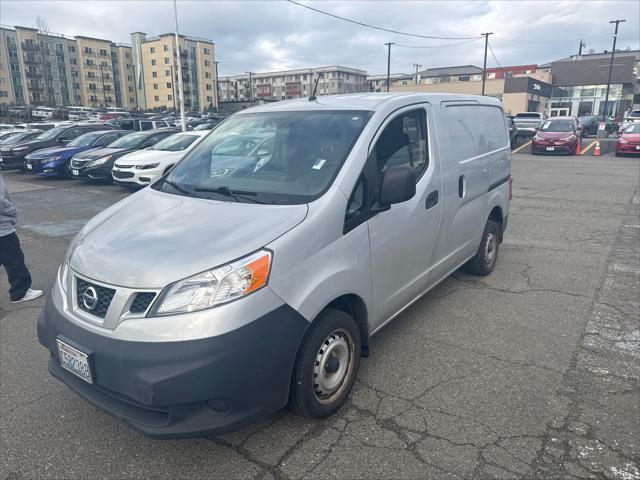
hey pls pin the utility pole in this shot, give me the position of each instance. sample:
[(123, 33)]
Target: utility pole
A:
[(484, 67), (250, 87), (183, 120), (613, 54), (217, 90), (582, 44), (417, 65), (388, 62)]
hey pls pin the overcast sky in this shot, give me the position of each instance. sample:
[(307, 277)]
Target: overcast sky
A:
[(270, 35)]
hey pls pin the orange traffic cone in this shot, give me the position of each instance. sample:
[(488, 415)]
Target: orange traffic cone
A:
[(578, 147), (596, 152)]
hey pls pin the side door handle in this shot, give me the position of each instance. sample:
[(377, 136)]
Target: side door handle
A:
[(432, 199), (462, 186)]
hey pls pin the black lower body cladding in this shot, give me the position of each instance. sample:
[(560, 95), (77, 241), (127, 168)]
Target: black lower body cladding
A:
[(188, 388)]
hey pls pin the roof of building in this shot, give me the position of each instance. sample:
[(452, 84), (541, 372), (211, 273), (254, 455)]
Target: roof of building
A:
[(605, 54), (447, 71), (297, 71)]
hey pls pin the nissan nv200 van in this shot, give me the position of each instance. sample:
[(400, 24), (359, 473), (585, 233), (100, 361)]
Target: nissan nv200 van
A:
[(253, 274)]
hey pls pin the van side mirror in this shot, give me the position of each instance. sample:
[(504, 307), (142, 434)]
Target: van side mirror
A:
[(398, 185)]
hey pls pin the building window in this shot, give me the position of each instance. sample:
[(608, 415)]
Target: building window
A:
[(167, 73), (72, 48), (168, 84), (152, 50), (169, 97), (208, 86), (156, 98), (491, 75), (209, 99), (155, 86), (131, 100), (166, 48), (207, 75), (463, 78), (127, 55), (103, 52), (130, 78), (207, 51), (90, 62), (153, 62), (508, 74), (207, 63), (130, 89), (166, 60), (88, 50), (154, 74)]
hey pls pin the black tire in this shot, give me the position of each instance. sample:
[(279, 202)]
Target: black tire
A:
[(486, 257), (331, 331)]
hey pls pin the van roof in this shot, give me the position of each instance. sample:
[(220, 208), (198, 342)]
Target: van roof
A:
[(365, 101)]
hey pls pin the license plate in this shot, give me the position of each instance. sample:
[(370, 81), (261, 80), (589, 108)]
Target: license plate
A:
[(75, 172), (29, 166), (75, 361), (550, 149)]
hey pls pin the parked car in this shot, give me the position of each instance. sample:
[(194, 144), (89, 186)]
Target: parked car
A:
[(629, 141), (140, 124), (13, 155), (528, 123), (55, 161), (557, 135), (206, 126), (8, 137), (96, 164), (201, 304), (589, 125), (143, 167)]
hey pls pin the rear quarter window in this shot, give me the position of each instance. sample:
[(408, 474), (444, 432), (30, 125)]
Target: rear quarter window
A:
[(475, 130)]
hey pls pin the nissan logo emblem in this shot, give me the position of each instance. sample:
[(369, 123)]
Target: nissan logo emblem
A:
[(90, 298)]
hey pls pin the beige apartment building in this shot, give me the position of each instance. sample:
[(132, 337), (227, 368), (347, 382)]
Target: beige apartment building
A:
[(520, 88), (157, 72)]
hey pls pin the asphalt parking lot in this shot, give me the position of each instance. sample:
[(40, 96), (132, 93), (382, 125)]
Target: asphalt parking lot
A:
[(531, 372)]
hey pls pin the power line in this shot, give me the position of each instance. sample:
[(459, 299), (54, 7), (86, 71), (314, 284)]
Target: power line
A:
[(362, 24), (493, 54), (438, 46)]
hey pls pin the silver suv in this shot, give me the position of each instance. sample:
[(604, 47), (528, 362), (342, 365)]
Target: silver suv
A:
[(253, 275)]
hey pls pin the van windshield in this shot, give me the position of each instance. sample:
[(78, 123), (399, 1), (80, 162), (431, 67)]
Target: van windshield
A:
[(271, 157)]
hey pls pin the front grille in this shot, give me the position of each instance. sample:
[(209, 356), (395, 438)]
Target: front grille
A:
[(124, 166), (142, 302), (117, 174), (35, 161), (103, 298), (79, 163)]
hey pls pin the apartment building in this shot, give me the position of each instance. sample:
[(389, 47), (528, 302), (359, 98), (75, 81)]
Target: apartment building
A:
[(156, 80), (378, 83), (286, 84), (54, 70)]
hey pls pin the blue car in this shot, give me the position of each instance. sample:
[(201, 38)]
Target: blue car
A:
[(54, 161)]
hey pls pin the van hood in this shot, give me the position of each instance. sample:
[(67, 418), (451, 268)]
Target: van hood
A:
[(152, 239), (142, 157)]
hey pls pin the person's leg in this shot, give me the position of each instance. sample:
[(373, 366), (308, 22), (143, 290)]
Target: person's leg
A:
[(13, 261)]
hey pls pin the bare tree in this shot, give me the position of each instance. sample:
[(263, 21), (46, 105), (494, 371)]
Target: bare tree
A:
[(42, 25)]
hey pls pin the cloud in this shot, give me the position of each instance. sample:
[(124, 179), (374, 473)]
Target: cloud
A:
[(267, 35)]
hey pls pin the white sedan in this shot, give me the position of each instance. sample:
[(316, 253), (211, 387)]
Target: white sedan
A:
[(144, 167)]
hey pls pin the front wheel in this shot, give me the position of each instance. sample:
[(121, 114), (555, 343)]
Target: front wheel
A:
[(487, 255), (327, 365)]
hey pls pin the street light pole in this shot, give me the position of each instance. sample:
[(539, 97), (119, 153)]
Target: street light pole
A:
[(613, 54), (183, 120), (250, 87), (484, 67), (388, 62), (217, 90)]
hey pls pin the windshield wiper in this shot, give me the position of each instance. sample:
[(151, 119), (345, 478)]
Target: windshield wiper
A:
[(177, 187), (227, 192)]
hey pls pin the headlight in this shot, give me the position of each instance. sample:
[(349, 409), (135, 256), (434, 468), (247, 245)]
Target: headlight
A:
[(218, 285), (570, 138), (537, 138), (99, 161), (622, 140), (19, 149), (147, 167)]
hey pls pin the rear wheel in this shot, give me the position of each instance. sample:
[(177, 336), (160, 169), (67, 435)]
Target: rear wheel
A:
[(327, 365), (487, 255)]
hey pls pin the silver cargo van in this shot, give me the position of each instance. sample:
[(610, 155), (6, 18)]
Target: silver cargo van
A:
[(254, 273)]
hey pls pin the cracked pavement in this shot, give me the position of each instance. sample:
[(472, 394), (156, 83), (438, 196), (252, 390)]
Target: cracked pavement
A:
[(532, 372)]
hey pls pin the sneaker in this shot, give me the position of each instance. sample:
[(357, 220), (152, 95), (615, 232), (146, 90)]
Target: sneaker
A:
[(30, 295)]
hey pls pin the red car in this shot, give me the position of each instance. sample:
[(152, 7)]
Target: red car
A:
[(629, 141), (557, 135)]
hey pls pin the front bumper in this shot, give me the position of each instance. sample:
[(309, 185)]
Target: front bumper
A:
[(563, 149), (188, 388), (45, 168), (134, 176), (627, 149), (102, 172), (13, 160)]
